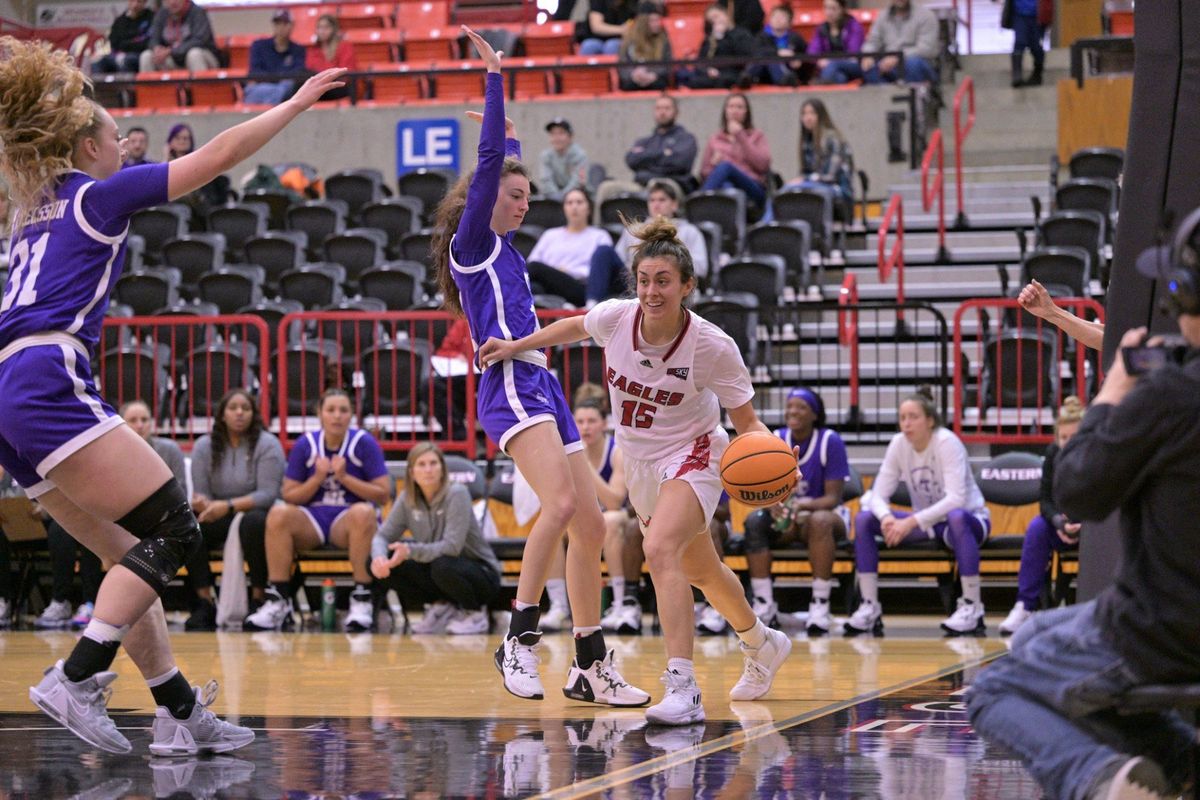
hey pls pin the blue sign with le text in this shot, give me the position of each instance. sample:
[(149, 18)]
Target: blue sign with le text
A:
[(426, 143)]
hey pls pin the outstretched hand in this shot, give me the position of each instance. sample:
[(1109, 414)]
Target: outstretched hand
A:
[(510, 128), (315, 87), (491, 59)]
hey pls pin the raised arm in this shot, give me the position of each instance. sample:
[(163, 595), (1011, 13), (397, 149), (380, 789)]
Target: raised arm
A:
[(1037, 301), (228, 149), (473, 239), (564, 331)]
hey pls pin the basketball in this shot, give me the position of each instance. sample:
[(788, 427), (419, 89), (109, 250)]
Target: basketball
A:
[(758, 469)]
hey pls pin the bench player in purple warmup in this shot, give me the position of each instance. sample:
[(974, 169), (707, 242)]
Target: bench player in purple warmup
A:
[(521, 406), (61, 155)]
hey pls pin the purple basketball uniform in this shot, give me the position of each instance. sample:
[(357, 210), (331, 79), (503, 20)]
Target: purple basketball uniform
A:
[(364, 460), (65, 256), (822, 458), (494, 291)]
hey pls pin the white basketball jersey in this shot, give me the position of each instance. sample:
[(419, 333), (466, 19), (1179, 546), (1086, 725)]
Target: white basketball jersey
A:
[(665, 397)]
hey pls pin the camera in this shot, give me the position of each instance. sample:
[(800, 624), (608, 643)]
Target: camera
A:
[(1147, 358)]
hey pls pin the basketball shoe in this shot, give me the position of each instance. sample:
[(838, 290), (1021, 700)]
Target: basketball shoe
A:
[(201, 732), (518, 664), (711, 623), (602, 683), (437, 616), (767, 611), (820, 621), (469, 622), (275, 614), (967, 619), (55, 615), (361, 616), (681, 704), (556, 618), (1015, 619), (624, 617), (867, 618), (82, 708), (761, 664)]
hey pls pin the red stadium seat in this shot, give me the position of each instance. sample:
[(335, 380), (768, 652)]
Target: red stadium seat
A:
[(685, 34), (1120, 23), (806, 22), (550, 39), (373, 45), (228, 92), (396, 88), (239, 51), (464, 81), (164, 94), (598, 80), (528, 83), (369, 16), (304, 22), (688, 8), (423, 15), (431, 44)]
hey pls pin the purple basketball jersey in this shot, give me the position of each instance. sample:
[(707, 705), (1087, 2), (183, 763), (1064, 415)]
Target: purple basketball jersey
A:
[(364, 460), (822, 458)]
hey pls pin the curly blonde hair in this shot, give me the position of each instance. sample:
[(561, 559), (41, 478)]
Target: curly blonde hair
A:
[(44, 109)]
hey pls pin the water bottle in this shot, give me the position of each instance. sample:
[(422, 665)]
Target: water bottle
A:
[(328, 605)]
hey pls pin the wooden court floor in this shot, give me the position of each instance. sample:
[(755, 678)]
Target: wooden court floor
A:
[(426, 717)]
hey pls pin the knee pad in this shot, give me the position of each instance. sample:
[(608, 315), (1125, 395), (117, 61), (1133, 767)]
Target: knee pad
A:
[(758, 532), (169, 535)]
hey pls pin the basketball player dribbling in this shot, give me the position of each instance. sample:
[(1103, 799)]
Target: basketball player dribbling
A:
[(521, 406), (669, 373), (61, 155)]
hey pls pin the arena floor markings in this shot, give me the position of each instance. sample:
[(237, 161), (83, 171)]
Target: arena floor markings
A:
[(409, 716)]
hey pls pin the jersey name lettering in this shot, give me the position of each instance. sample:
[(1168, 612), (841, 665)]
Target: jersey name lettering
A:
[(50, 211), (660, 397)]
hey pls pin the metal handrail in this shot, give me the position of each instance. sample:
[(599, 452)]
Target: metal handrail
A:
[(961, 131), (848, 334), (937, 188)]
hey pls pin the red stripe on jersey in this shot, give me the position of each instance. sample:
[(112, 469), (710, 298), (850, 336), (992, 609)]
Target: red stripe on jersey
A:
[(697, 459), (637, 326)]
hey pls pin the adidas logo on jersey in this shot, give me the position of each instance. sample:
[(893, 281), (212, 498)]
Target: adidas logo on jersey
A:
[(646, 362), (678, 372)]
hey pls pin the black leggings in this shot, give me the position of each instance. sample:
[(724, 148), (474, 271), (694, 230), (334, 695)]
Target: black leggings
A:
[(465, 582), (254, 549), (63, 553)]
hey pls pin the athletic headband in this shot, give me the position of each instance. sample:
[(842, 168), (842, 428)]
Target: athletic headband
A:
[(810, 398)]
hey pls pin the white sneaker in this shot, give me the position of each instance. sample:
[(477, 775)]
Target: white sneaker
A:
[(81, 707), (55, 615), (767, 611), (612, 618), (275, 614), (681, 703), (437, 616), (361, 617), (820, 621), (967, 619), (1015, 619), (5, 613), (711, 622), (518, 664), (867, 618), (469, 623), (602, 683), (556, 619), (195, 777), (83, 615), (761, 664), (201, 732), (631, 617)]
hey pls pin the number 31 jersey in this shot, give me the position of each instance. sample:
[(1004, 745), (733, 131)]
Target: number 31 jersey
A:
[(664, 397)]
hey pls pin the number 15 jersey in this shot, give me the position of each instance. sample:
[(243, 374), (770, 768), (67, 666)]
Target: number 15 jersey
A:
[(665, 396)]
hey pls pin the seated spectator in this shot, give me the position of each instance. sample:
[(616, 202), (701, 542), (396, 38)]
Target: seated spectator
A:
[(1050, 531), (236, 470), (662, 201), (778, 39), (561, 261), (645, 40), (331, 50), (180, 142), (906, 28), (445, 561), (127, 39), (64, 553), (839, 33), (669, 152), (823, 165), (181, 37), (745, 14), (335, 482), (137, 416), (564, 164), (137, 143), (606, 23), (273, 55), (947, 508), (737, 156), (721, 40)]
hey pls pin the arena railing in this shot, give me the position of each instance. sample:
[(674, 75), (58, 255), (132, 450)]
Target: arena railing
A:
[(1013, 370), (961, 131), (935, 189), (888, 260), (848, 336)]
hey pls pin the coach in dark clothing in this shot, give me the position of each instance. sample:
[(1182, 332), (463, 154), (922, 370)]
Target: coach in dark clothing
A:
[(129, 36), (276, 54), (1053, 700), (181, 37), (669, 152)]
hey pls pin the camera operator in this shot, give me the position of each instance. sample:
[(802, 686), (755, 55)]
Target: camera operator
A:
[(1054, 700)]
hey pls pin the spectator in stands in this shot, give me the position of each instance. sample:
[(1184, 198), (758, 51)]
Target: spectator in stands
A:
[(137, 144), (737, 156), (724, 41), (137, 415), (947, 507), (839, 33), (1028, 20), (64, 553), (181, 37), (562, 260), (903, 27), (275, 55), (662, 200), (668, 152), (745, 14), (445, 561), (1037, 301), (335, 481), (813, 515), (606, 23), (778, 39), (331, 50), (1050, 531), (645, 40), (236, 470), (127, 39), (564, 164), (180, 142), (823, 166)]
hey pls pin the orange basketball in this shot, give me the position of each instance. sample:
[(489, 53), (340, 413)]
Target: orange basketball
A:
[(758, 469)]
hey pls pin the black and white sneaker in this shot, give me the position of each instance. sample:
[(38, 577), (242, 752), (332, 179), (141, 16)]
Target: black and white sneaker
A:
[(518, 664), (867, 618), (275, 614), (967, 619), (601, 683)]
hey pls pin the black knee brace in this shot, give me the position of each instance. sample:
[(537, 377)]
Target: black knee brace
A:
[(758, 531), (169, 532)]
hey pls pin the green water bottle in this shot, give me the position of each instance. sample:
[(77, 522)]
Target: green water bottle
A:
[(328, 605)]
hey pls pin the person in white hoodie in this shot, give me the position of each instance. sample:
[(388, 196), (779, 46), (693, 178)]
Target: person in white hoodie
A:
[(947, 506)]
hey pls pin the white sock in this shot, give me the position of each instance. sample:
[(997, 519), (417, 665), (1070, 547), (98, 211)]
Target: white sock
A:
[(588, 630), (557, 588), (761, 587), (518, 605), (970, 587), (755, 636), (821, 589), (618, 589), (103, 633), (161, 679), (868, 586), (683, 666)]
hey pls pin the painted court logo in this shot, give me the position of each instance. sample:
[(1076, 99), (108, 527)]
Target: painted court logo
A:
[(678, 372)]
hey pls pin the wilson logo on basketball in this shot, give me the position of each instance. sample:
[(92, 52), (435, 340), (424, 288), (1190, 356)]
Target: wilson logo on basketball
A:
[(678, 372), (765, 495)]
